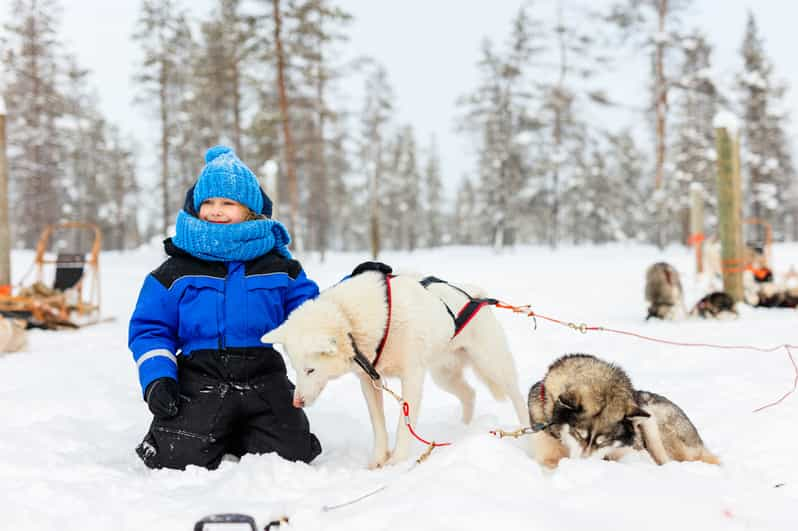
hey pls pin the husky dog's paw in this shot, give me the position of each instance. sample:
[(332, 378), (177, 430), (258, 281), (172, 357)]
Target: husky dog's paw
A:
[(379, 461), (547, 450), (396, 459)]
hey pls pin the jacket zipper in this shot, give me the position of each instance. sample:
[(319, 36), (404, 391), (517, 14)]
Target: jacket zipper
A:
[(223, 332)]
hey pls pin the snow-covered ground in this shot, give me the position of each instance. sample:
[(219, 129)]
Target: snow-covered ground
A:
[(71, 413)]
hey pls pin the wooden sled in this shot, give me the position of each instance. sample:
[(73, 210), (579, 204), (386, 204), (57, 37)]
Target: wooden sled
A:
[(73, 299)]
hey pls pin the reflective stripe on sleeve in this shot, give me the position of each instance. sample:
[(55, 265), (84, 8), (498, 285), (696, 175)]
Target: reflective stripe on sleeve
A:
[(153, 353)]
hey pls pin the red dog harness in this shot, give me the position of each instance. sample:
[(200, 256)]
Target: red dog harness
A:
[(463, 317), (468, 311)]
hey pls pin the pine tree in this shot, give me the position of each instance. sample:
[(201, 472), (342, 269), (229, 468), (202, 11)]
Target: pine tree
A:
[(229, 42), (693, 150), (289, 149), (433, 198), (163, 32), (347, 198), (465, 222), (659, 23), (79, 155), (119, 213), (34, 104), (564, 85), (625, 164), (375, 118), (496, 114), (766, 157), (392, 200), (410, 190), (311, 45)]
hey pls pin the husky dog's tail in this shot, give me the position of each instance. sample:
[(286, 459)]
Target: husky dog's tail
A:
[(708, 457)]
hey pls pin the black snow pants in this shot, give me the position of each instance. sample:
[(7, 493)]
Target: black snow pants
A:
[(234, 401)]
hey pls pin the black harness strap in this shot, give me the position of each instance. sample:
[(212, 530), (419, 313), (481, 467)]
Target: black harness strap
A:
[(426, 281), (363, 361), (360, 358), (468, 311)]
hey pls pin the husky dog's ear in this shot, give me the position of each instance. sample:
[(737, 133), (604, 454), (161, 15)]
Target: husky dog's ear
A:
[(637, 413), (566, 409), (568, 401), (274, 336)]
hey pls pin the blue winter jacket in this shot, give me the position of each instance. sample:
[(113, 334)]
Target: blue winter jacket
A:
[(188, 304)]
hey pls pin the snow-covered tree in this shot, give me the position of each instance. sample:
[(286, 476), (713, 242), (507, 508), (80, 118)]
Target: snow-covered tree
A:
[(466, 226), (576, 54), (163, 32), (693, 151), (35, 104), (375, 119), (766, 155), (433, 227), (496, 114), (655, 25), (312, 46)]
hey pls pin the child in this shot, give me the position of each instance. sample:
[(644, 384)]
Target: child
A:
[(212, 386)]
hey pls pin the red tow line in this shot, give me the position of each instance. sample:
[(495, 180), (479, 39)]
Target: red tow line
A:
[(406, 413)]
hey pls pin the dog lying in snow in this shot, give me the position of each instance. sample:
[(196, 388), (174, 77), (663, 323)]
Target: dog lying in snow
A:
[(322, 339), (718, 305), (589, 408)]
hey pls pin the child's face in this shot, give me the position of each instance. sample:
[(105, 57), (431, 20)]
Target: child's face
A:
[(222, 210)]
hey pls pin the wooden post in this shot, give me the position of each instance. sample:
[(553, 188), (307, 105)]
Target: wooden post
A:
[(729, 208), (5, 232), (697, 223)]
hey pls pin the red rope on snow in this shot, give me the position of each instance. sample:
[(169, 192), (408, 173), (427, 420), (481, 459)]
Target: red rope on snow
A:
[(584, 328), (794, 382), (406, 413)]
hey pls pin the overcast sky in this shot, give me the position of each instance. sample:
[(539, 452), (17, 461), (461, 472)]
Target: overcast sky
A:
[(429, 49)]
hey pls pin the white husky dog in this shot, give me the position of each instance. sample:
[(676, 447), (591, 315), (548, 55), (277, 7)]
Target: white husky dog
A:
[(320, 338)]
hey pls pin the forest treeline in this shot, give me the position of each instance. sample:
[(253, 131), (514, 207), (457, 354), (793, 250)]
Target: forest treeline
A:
[(551, 168)]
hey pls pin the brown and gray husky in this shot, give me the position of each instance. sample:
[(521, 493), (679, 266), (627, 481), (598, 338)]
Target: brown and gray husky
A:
[(588, 407), (664, 292)]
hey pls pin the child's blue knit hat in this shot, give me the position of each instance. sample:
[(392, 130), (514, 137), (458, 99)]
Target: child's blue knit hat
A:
[(224, 175)]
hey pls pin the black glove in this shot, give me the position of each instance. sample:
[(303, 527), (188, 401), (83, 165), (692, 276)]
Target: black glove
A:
[(385, 269), (163, 396)]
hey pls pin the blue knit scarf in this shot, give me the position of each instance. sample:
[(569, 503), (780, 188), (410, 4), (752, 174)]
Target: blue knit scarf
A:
[(235, 242)]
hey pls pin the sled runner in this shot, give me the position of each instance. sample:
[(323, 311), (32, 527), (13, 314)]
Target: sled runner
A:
[(73, 298)]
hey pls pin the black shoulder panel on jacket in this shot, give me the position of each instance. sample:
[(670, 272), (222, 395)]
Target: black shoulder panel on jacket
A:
[(177, 267), (273, 262)]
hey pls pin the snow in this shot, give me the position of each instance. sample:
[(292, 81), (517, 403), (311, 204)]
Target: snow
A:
[(754, 79), (726, 120), (661, 37), (71, 413), (524, 138)]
